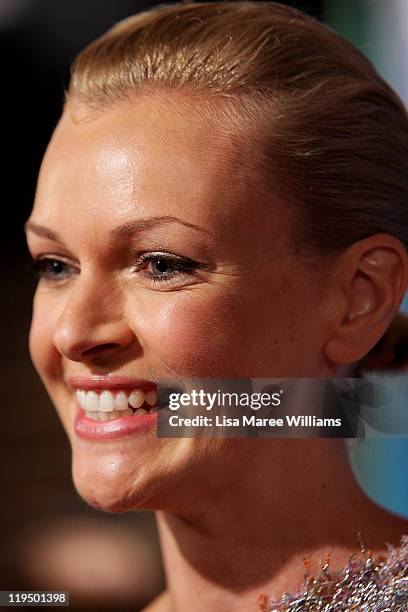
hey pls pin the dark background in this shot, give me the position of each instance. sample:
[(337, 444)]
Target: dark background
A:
[(49, 537)]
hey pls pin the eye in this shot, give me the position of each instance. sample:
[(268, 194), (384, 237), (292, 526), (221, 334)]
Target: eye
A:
[(165, 266), (52, 269)]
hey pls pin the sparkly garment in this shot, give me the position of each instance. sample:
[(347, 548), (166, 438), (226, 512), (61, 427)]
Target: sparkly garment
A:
[(366, 584)]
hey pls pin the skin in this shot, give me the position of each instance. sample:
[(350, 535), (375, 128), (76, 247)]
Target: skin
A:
[(272, 315)]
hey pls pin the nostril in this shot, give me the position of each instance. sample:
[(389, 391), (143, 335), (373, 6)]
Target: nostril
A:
[(100, 348)]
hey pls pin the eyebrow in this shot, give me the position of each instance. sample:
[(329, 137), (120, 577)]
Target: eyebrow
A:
[(121, 231), (42, 231), (140, 225)]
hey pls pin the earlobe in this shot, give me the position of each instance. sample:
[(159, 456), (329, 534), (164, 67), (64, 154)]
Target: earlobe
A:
[(373, 278)]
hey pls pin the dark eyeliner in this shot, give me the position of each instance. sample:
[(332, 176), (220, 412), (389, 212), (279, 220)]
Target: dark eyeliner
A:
[(179, 265), (50, 268)]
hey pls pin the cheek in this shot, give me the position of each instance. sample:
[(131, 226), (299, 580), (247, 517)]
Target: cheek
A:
[(239, 332), (220, 334), (189, 333)]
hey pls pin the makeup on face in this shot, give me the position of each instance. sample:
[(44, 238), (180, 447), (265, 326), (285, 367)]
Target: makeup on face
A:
[(152, 264)]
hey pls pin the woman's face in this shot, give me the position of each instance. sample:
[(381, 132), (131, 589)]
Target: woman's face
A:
[(160, 260)]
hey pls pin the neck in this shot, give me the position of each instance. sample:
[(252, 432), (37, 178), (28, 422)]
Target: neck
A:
[(246, 534)]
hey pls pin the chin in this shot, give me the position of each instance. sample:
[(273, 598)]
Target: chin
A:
[(110, 482), (102, 499), (119, 477)]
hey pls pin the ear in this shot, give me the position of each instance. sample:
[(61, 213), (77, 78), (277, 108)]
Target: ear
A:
[(368, 286)]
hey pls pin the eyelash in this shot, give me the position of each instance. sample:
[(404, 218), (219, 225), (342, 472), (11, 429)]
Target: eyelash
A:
[(185, 266), (42, 265), (181, 267)]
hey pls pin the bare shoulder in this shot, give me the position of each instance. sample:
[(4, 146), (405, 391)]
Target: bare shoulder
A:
[(159, 604)]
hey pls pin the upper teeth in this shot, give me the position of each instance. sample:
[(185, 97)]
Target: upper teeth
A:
[(106, 401)]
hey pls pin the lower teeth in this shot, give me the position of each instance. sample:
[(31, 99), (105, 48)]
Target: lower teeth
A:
[(114, 414)]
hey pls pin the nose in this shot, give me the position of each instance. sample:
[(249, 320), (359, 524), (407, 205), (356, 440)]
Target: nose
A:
[(92, 324)]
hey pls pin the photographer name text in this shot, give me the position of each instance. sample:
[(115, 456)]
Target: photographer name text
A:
[(252, 421)]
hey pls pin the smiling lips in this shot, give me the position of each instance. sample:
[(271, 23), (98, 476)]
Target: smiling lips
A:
[(109, 407)]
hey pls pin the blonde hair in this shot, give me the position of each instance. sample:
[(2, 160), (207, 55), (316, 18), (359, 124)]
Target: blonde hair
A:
[(330, 136)]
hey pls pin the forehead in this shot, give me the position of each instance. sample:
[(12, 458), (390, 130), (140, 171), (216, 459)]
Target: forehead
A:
[(144, 157)]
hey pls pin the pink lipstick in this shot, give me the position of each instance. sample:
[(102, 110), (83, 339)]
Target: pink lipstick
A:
[(110, 407), (91, 429)]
